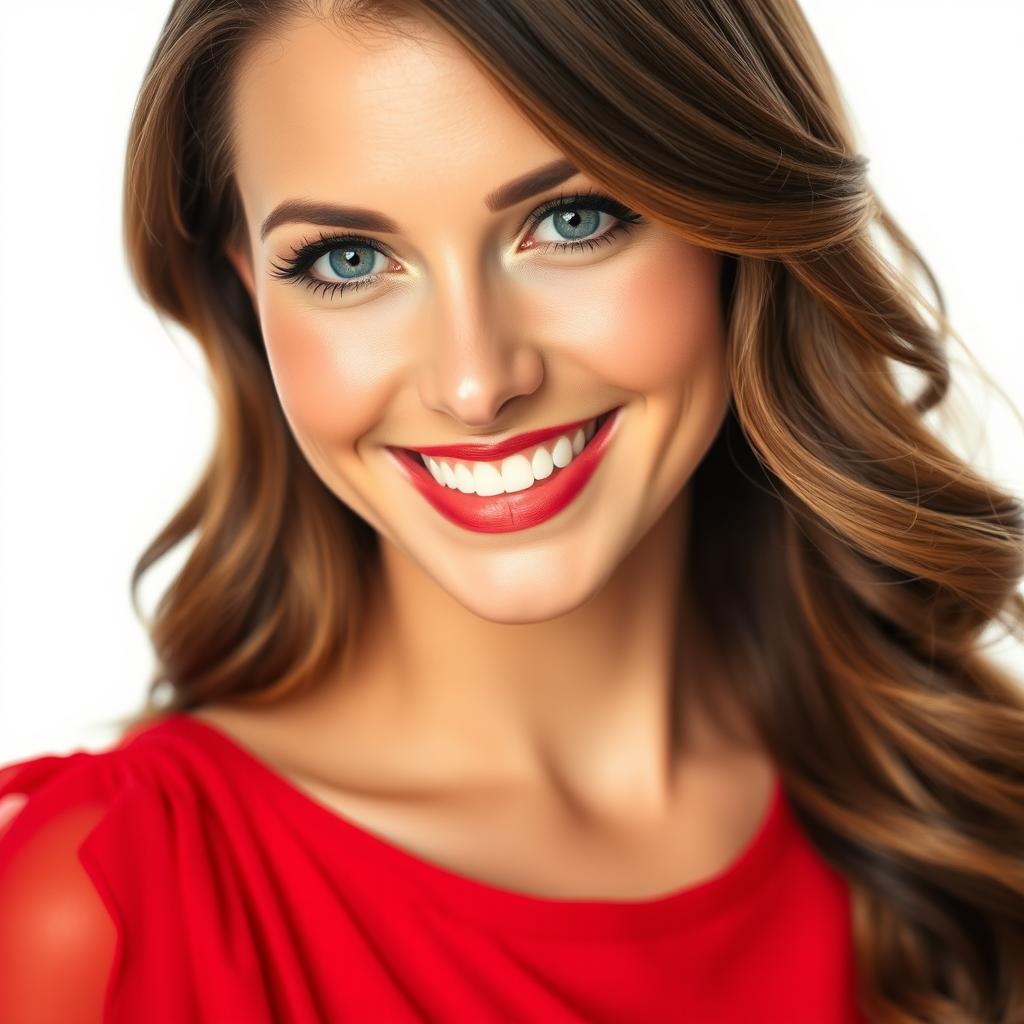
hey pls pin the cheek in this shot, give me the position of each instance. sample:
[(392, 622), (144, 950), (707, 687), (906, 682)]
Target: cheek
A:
[(332, 383), (659, 323), (650, 326)]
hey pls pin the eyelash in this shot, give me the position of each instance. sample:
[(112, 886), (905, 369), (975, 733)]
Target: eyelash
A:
[(297, 266)]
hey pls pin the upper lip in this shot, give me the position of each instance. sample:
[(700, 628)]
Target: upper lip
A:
[(490, 451)]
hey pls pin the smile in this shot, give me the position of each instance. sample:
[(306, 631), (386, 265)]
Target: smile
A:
[(521, 490)]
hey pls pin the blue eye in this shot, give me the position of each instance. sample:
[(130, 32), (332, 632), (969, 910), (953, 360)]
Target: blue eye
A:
[(565, 215), (575, 218), (350, 259), (344, 254)]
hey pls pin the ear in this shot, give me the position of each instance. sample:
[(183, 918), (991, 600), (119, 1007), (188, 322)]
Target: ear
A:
[(242, 262)]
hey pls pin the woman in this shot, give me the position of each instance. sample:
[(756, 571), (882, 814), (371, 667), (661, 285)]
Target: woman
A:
[(581, 625)]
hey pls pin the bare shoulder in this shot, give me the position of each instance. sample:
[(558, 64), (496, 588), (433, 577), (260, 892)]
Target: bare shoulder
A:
[(276, 735), (243, 724), (333, 766)]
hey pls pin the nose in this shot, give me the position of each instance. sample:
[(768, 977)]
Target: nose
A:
[(475, 356)]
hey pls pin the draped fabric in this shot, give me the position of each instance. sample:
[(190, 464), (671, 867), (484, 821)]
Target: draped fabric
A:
[(237, 896)]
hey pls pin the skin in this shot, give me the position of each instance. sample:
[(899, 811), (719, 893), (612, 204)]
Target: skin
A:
[(536, 666)]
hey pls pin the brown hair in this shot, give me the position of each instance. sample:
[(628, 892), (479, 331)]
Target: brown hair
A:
[(845, 557)]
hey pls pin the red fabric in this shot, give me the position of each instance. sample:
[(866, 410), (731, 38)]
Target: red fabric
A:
[(238, 897)]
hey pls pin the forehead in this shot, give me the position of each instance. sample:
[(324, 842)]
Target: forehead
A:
[(346, 114)]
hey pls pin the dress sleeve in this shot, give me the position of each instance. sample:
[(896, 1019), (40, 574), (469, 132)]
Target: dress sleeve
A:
[(59, 940)]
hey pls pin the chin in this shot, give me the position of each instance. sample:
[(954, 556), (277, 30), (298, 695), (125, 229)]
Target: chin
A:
[(520, 601)]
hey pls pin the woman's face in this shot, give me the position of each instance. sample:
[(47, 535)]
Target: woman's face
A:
[(462, 321)]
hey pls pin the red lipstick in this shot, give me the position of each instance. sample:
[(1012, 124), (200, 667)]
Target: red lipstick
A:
[(492, 451), (515, 510)]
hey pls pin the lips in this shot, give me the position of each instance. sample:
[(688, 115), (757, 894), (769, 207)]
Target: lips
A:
[(516, 510), (493, 451)]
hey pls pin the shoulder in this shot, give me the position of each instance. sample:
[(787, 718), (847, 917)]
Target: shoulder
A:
[(106, 852), (111, 803), (54, 923)]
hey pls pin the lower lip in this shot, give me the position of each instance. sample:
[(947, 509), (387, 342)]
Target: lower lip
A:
[(518, 510)]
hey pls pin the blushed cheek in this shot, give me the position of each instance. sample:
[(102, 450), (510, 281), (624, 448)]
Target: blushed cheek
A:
[(658, 326), (332, 381)]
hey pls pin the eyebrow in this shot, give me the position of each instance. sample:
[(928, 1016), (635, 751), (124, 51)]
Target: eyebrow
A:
[(307, 211)]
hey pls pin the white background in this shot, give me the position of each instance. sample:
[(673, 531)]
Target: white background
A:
[(106, 417)]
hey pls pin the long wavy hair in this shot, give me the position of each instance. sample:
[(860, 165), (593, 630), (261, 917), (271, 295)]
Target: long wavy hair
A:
[(846, 559)]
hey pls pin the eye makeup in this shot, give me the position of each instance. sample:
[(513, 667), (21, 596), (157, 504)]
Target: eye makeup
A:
[(296, 267)]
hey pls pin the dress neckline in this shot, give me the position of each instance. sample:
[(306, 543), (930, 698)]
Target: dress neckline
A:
[(490, 905)]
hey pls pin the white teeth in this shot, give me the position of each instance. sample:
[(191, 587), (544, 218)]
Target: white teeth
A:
[(542, 465), (463, 478), (435, 469), (516, 473), (561, 454), (487, 479)]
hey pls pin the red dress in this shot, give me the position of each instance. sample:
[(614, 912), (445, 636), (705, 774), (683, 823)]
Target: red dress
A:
[(239, 897)]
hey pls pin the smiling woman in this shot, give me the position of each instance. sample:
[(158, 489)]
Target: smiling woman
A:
[(580, 625)]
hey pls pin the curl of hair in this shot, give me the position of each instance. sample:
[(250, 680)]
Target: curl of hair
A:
[(847, 559)]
